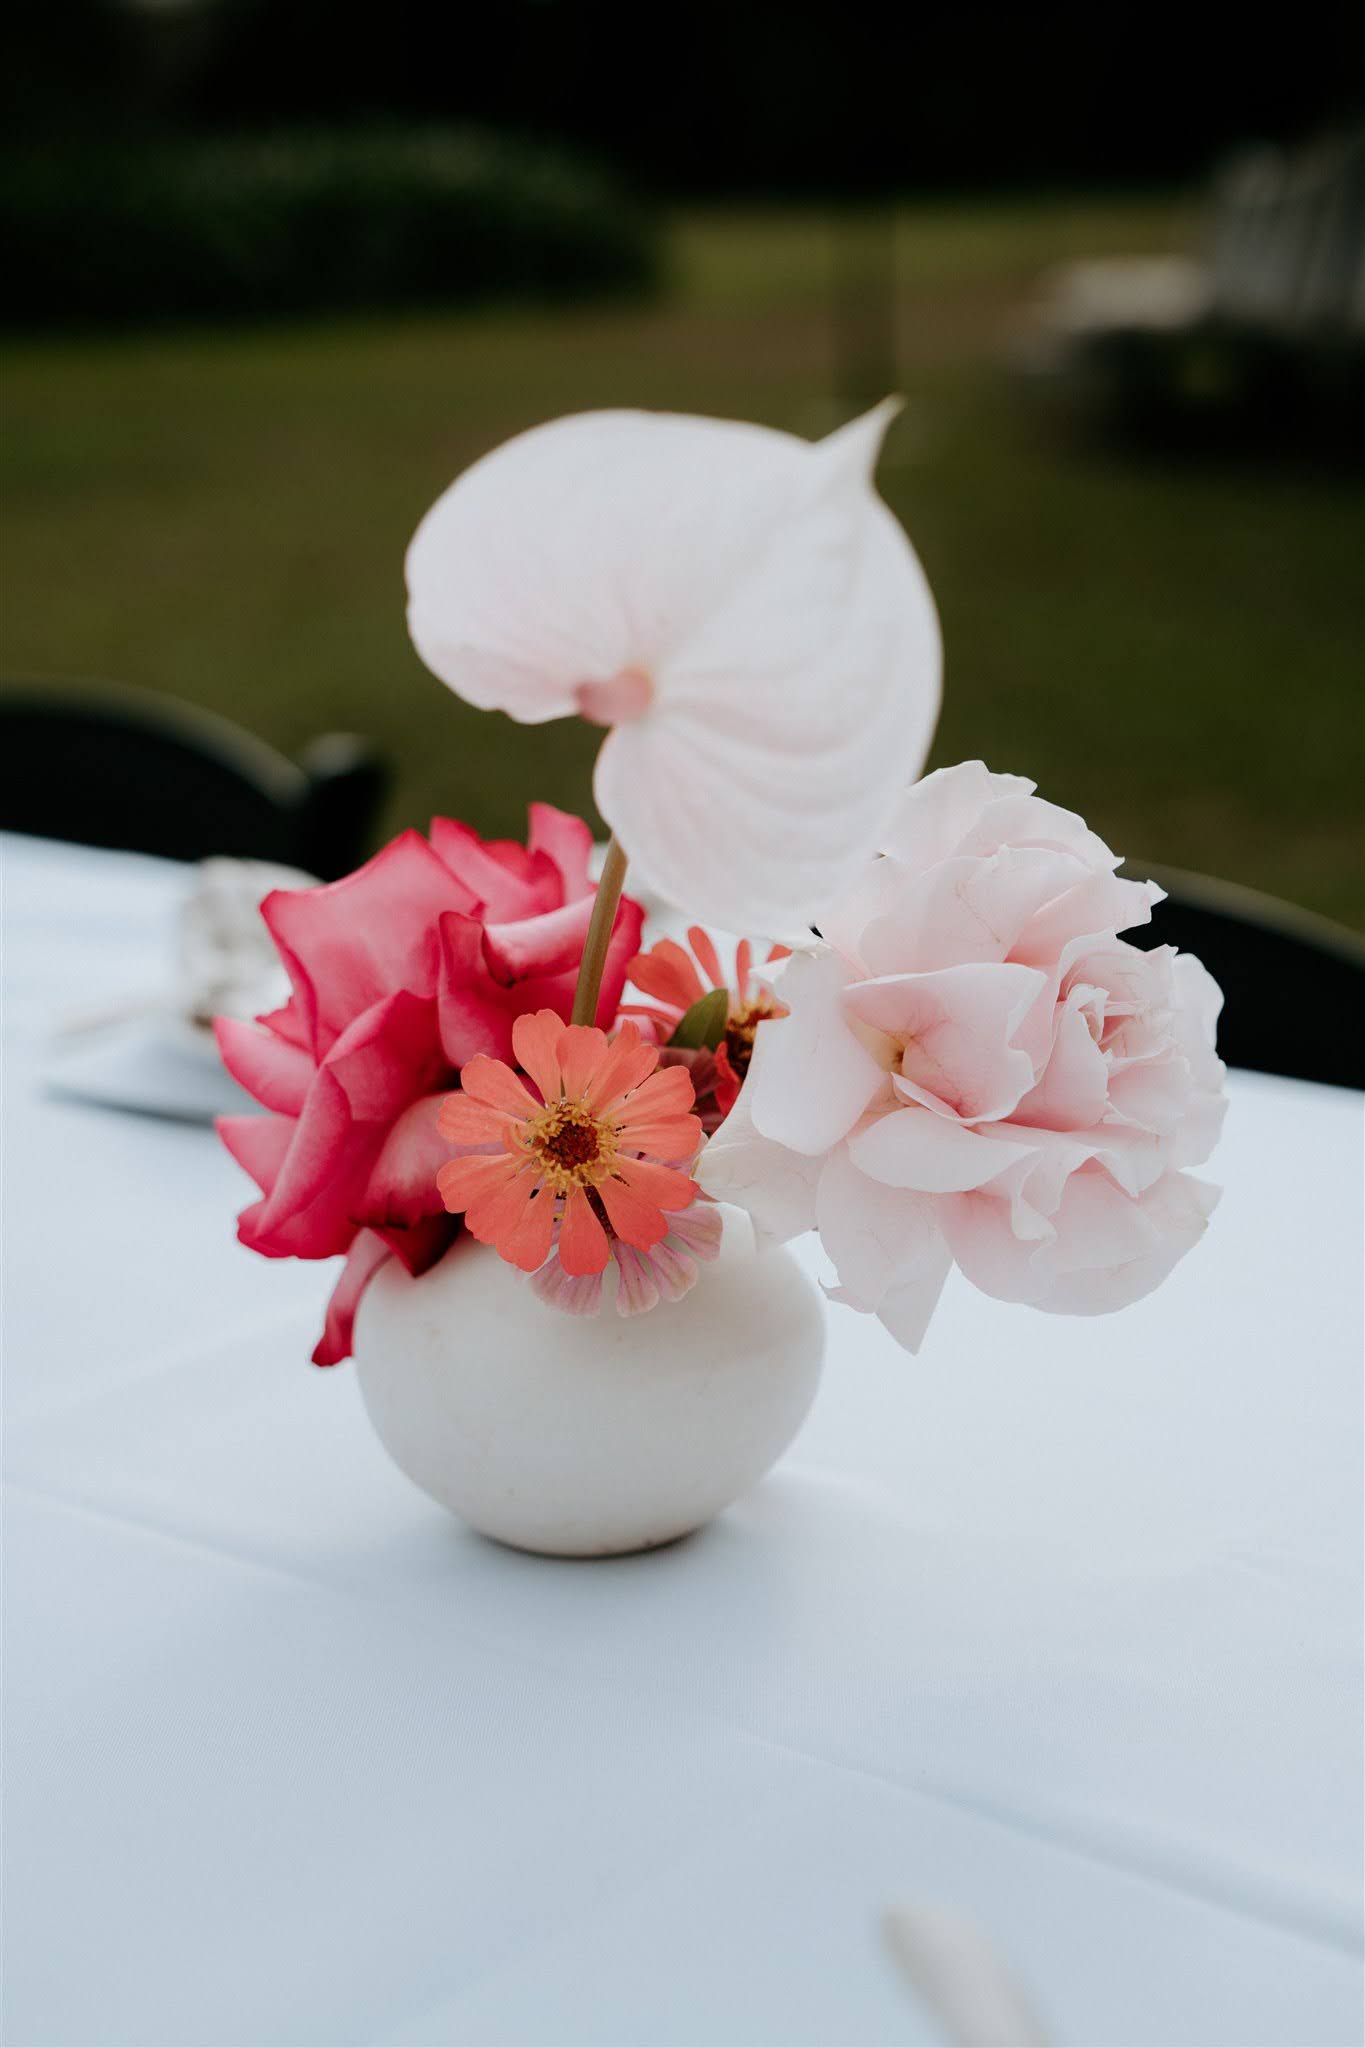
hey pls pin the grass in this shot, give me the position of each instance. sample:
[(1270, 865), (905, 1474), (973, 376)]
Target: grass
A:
[(1174, 650)]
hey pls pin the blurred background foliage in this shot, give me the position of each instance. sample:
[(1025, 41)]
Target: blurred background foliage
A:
[(308, 221), (299, 264)]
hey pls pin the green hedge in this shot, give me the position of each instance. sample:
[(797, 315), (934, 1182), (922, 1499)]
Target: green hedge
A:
[(254, 227)]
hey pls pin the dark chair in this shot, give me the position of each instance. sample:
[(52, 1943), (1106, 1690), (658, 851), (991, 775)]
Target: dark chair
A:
[(106, 765), (1293, 984)]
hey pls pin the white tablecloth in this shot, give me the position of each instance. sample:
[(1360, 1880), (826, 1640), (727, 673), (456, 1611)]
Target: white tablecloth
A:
[(1058, 1626)]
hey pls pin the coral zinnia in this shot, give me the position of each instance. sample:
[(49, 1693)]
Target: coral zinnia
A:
[(586, 1153), (672, 976)]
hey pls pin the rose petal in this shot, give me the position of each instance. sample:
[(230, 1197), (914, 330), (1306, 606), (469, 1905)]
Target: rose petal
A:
[(935, 816), (535, 946), (914, 1148), (402, 1189), (420, 1245), (267, 1066), (880, 1241), (363, 1261), (259, 1144), (1073, 1092), (307, 1212), (386, 1056), (776, 1186), (811, 1077), (566, 842), (493, 889), (963, 910), (352, 943), (956, 1028)]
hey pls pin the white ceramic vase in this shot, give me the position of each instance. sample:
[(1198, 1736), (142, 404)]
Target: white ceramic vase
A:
[(589, 1436)]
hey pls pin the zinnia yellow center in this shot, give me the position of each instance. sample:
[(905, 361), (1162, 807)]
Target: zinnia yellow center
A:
[(572, 1147)]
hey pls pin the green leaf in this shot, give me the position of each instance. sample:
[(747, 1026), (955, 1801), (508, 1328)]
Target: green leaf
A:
[(704, 1023)]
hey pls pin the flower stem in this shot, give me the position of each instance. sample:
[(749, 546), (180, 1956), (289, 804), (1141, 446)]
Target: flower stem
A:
[(595, 945)]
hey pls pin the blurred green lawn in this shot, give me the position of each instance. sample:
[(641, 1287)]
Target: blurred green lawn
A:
[(1174, 650)]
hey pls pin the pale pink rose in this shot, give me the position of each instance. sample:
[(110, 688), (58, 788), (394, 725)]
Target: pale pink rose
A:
[(977, 1068), (736, 605)]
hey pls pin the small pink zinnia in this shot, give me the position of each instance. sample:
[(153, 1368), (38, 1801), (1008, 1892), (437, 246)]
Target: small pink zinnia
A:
[(582, 1162)]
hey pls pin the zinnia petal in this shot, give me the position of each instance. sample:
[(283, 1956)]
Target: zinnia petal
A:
[(496, 1217), (583, 1246), (466, 1122), (664, 1186), (666, 973), (674, 1270), (535, 1040), (626, 1063), (581, 1051), (674, 1137), (699, 939), (668, 1092), (527, 1244), (637, 1289), (700, 1228), (495, 1085), (639, 1221), (462, 1181), (574, 1294)]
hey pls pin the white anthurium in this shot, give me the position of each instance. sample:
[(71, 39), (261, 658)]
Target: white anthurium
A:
[(736, 604)]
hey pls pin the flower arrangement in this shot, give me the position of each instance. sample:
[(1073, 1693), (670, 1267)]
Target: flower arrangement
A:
[(942, 1052)]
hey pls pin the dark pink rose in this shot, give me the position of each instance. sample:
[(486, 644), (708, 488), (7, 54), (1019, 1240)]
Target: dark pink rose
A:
[(400, 973)]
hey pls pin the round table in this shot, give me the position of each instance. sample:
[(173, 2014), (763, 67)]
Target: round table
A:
[(1057, 1627)]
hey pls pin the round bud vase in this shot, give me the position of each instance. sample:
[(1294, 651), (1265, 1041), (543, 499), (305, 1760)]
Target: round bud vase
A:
[(589, 1436)]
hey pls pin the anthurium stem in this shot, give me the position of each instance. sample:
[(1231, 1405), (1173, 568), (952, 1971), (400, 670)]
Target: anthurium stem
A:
[(595, 946)]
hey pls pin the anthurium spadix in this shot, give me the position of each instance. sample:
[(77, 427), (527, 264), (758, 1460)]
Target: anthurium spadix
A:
[(735, 604)]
